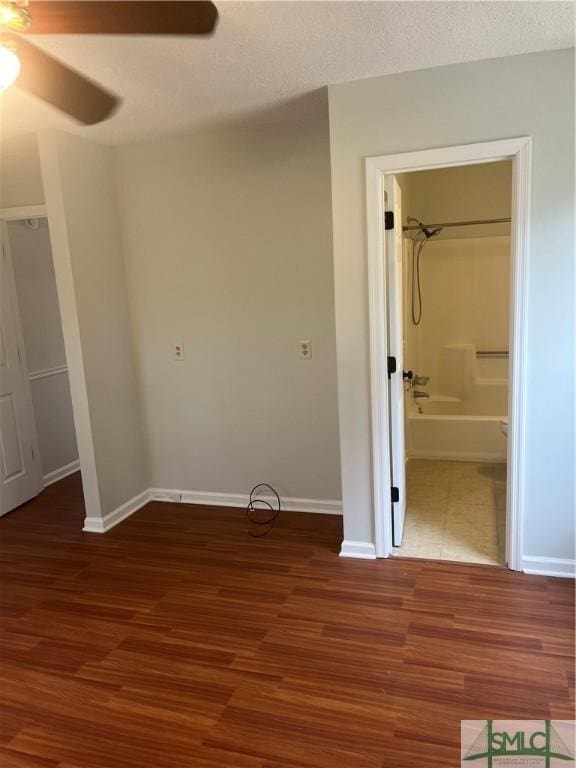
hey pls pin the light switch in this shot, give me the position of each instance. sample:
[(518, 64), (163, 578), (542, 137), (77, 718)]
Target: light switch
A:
[(305, 349), (178, 352)]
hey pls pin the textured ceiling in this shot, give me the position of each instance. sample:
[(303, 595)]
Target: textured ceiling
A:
[(268, 60)]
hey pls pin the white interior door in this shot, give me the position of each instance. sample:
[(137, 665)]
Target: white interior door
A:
[(20, 470), (393, 256)]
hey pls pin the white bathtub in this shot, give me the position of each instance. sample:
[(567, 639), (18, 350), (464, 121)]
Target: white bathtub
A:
[(458, 430)]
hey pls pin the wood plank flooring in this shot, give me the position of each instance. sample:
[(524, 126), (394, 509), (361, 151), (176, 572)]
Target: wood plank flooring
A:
[(177, 640)]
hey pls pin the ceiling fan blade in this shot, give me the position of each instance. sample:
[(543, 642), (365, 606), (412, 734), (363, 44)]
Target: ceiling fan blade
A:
[(64, 88), (122, 17)]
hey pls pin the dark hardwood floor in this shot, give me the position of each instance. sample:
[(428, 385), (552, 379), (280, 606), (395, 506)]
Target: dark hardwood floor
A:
[(177, 640)]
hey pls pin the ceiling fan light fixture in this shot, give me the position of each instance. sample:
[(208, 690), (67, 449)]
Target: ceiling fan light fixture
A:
[(14, 15), (9, 67), (49, 79)]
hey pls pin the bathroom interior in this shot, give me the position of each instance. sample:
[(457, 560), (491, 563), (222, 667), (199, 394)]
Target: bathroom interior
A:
[(456, 309)]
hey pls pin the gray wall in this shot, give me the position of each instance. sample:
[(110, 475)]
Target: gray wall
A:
[(42, 331), (227, 240), (20, 174), (85, 233), (502, 98)]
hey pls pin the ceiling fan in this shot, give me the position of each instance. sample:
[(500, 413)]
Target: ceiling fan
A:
[(51, 80)]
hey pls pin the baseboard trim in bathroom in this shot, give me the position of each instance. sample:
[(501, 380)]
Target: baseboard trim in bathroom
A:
[(549, 566), (492, 458)]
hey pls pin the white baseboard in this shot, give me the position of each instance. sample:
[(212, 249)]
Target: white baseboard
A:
[(61, 473), (203, 498), (549, 566), (208, 498), (103, 524), (363, 550)]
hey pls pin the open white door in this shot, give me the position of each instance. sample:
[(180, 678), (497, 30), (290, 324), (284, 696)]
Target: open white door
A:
[(20, 470), (393, 261)]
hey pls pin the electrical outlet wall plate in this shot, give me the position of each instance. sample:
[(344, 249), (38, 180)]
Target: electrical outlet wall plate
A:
[(305, 349)]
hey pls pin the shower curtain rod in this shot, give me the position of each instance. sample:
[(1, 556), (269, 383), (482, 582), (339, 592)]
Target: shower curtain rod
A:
[(456, 224)]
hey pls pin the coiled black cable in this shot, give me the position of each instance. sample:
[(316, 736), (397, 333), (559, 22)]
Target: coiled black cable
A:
[(257, 504)]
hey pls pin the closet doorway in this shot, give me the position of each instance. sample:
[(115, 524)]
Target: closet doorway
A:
[(37, 434)]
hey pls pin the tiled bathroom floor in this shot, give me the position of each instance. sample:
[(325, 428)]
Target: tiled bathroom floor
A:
[(456, 511)]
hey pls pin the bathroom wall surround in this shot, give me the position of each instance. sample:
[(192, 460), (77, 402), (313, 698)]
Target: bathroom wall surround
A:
[(465, 300)]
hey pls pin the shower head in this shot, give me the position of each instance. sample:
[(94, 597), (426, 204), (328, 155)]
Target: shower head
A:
[(426, 231)]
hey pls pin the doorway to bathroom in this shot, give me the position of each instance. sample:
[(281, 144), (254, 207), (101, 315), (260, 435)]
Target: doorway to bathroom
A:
[(455, 337), (447, 285)]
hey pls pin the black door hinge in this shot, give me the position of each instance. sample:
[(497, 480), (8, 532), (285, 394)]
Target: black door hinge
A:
[(391, 366), (395, 494), (389, 220)]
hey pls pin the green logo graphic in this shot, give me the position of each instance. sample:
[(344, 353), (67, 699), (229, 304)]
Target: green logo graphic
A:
[(544, 743)]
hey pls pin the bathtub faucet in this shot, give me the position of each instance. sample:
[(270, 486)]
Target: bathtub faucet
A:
[(418, 394)]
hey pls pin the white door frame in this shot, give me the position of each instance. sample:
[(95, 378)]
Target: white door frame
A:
[(518, 150)]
